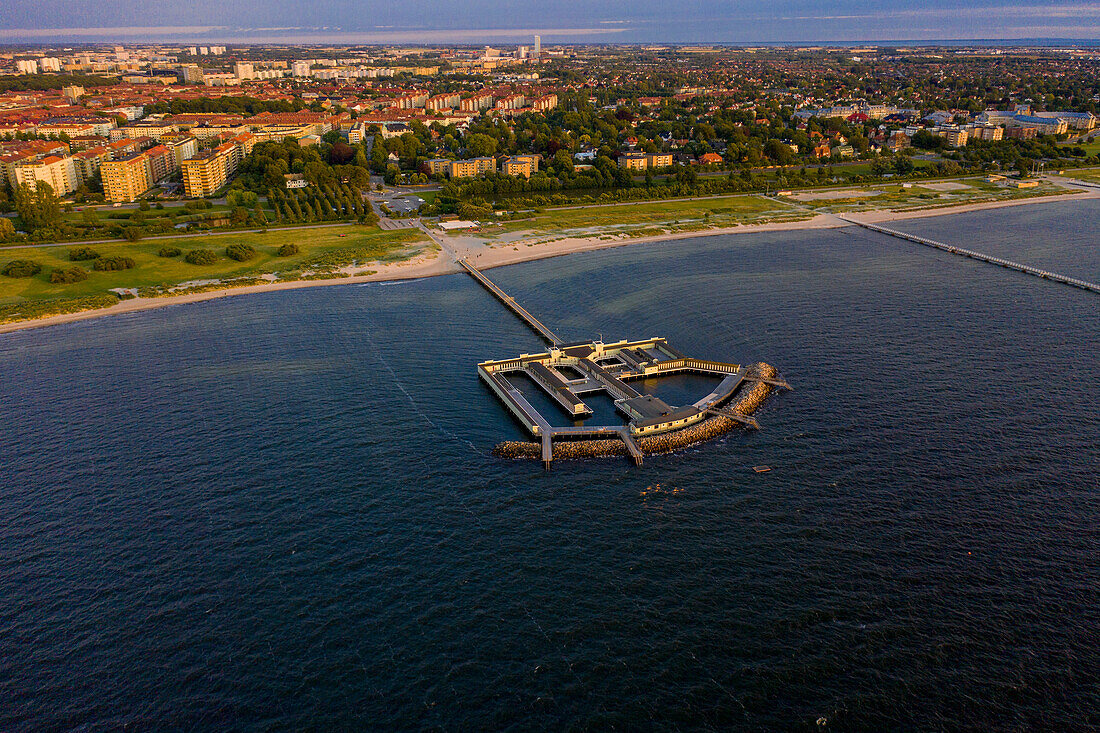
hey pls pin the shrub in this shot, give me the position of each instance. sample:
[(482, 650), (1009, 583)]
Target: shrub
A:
[(170, 252), (68, 275), (288, 249), (132, 234), (201, 257), (113, 262), (144, 205), (76, 254), (240, 252), (21, 268)]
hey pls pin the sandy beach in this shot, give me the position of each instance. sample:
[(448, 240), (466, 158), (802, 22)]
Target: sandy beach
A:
[(486, 257)]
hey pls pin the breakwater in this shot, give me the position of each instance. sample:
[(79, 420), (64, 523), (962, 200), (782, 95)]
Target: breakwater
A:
[(747, 403)]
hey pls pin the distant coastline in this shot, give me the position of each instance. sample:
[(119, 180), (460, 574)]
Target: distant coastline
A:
[(439, 263)]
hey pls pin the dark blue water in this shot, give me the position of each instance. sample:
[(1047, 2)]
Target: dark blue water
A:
[(280, 511)]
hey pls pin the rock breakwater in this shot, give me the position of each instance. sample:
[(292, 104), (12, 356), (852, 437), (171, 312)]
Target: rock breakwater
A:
[(746, 404)]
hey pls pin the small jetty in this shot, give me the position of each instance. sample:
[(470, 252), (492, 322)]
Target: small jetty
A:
[(566, 372), (1000, 262)]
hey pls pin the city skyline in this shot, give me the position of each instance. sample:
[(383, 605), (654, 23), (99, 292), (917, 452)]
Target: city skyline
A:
[(476, 21)]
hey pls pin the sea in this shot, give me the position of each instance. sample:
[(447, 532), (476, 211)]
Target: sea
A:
[(282, 512)]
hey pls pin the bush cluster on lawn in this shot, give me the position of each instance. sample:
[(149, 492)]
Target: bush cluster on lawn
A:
[(240, 252), (113, 262), (21, 268), (170, 252), (68, 275), (76, 254), (287, 250), (201, 257)]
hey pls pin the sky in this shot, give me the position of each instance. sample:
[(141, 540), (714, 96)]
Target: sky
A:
[(557, 21)]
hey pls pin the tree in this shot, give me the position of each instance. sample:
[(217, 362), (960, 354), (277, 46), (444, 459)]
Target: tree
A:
[(65, 275), (240, 252), (201, 257), (479, 145), (21, 268), (113, 262), (7, 229), (39, 207), (76, 254)]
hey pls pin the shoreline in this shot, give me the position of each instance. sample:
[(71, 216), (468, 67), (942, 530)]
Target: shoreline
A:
[(490, 257)]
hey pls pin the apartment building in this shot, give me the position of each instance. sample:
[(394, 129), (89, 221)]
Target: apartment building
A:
[(209, 171), (59, 172), (520, 165), (644, 161), (88, 162), (956, 137), (471, 167), (985, 132), (511, 102), (436, 166), (412, 100), (545, 103), (126, 178), (441, 102), (161, 162), (25, 151), (477, 103), (183, 147)]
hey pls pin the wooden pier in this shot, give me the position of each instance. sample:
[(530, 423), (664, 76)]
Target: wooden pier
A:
[(600, 367), (1000, 262), (511, 303)]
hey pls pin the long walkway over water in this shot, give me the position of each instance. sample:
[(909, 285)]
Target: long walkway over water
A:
[(509, 301), (1026, 269)]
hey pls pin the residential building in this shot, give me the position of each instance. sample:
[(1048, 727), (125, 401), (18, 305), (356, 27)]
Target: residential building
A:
[(956, 137), (412, 100), (295, 180), (436, 166), (161, 162), (471, 167), (477, 103), (520, 165), (191, 74), (125, 179), (450, 100), (59, 172), (88, 162), (209, 171), (183, 147)]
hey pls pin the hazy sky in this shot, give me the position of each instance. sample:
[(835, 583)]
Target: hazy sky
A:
[(502, 21)]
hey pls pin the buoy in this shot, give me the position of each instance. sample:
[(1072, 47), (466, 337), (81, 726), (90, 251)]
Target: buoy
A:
[(761, 469)]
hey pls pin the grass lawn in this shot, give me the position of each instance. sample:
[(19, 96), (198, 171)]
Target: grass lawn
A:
[(320, 248), (923, 194), (721, 211), (1084, 174)]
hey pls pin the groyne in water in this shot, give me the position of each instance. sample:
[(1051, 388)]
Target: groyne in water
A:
[(713, 427)]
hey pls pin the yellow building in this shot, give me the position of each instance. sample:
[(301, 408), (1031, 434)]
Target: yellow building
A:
[(59, 172), (472, 167), (125, 179), (209, 171), (644, 161), (435, 166), (520, 165), (634, 161)]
